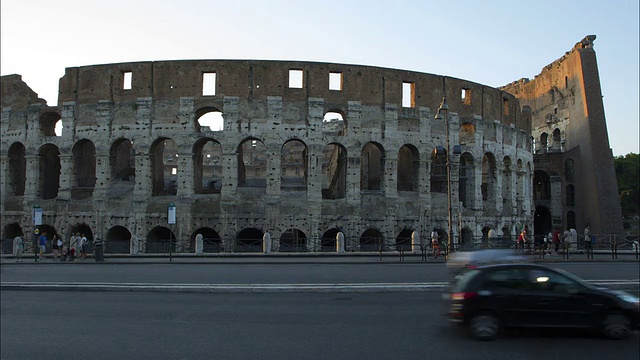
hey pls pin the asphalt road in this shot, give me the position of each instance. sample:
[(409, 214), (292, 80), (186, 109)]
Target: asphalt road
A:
[(89, 325), (312, 273)]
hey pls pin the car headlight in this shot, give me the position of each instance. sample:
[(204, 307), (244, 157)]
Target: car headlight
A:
[(626, 297)]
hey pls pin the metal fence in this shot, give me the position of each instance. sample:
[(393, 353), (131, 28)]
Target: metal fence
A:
[(604, 245)]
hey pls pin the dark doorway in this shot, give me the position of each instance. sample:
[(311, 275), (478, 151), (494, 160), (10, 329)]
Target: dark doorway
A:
[(542, 221)]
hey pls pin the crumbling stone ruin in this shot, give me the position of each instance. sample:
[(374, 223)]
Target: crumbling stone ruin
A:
[(306, 151)]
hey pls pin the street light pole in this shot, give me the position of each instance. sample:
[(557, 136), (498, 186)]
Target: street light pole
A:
[(444, 109)]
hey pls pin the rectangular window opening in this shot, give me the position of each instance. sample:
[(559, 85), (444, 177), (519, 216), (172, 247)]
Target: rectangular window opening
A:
[(408, 94), (208, 84), (127, 78), (505, 106), (466, 96), (295, 79), (335, 81)]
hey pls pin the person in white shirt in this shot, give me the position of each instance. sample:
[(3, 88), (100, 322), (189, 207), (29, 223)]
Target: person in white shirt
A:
[(435, 243)]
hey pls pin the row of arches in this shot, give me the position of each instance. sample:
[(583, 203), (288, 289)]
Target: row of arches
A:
[(207, 162), (119, 239)]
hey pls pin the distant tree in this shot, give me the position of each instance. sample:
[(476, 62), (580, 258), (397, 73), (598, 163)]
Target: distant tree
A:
[(628, 172)]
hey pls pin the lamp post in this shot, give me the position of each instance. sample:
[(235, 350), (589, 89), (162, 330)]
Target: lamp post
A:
[(171, 219), (444, 109), (37, 221)]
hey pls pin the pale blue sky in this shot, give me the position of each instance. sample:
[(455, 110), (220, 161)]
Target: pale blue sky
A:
[(490, 42)]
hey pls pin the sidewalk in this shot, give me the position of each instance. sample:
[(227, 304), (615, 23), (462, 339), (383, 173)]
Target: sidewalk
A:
[(298, 258)]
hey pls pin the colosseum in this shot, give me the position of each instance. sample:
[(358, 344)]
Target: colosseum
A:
[(149, 156)]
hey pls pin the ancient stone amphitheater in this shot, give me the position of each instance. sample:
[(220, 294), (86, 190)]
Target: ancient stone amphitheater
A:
[(302, 150)]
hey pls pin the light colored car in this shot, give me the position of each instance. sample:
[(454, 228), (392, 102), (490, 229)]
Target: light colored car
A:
[(459, 261)]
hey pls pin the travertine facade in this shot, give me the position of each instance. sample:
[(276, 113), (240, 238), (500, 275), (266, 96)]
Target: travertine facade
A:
[(574, 182), (132, 143)]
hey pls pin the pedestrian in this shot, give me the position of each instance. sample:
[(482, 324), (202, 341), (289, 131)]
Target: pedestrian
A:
[(525, 238), (588, 241), (55, 249), (19, 247), (42, 243), (435, 243), (61, 247), (556, 240), (73, 243), (574, 236), (83, 246)]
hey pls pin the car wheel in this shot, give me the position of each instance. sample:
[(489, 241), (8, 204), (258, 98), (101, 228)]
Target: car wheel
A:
[(615, 326), (484, 326)]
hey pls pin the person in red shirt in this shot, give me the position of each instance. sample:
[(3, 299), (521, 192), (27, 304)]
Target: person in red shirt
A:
[(556, 240)]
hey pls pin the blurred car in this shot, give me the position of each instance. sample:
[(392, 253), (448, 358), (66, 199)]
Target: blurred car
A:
[(462, 260), (490, 298)]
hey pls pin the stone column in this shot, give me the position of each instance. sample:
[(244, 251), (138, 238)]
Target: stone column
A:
[(340, 242), (67, 177), (416, 242)]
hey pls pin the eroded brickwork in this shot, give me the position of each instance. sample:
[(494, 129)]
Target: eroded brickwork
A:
[(277, 165)]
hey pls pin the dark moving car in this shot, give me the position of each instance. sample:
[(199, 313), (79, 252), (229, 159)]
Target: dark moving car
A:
[(492, 297)]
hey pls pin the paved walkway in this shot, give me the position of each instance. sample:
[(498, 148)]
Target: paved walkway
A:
[(298, 258)]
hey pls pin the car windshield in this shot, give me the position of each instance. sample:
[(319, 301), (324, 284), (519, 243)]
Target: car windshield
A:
[(576, 278), (461, 280)]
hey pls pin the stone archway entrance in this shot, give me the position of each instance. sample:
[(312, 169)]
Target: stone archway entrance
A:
[(542, 221)]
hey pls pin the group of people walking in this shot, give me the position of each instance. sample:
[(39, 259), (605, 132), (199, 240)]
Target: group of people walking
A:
[(61, 251), (552, 242)]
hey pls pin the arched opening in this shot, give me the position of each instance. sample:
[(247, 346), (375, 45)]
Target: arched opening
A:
[(83, 230), (57, 129), (467, 134), (293, 166), (333, 124), (293, 240), (122, 162), (164, 167), (506, 235), (571, 195), (506, 186), (211, 240), (17, 171), (408, 166), (249, 240), (466, 237), (49, 174), (118, 240), (403, 241), (328, 240), (489, 176), (372, 167), (485, 234), (372, 240), (160, 240), (48, 122), (207, 169), (209, 119), (571, 219), (439, 170), (542, 221), (557, 141), (542, 147), (84, 166), (252, 164), (542, 181), (10, 232), (569, 170), (334, 171), (466, 181)]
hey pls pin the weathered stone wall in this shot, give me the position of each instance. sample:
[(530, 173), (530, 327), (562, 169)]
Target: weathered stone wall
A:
[(566, 97), (165, 101)]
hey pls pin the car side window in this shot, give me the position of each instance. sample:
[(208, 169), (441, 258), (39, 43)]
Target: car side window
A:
[(507, 279), (551, 281)]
